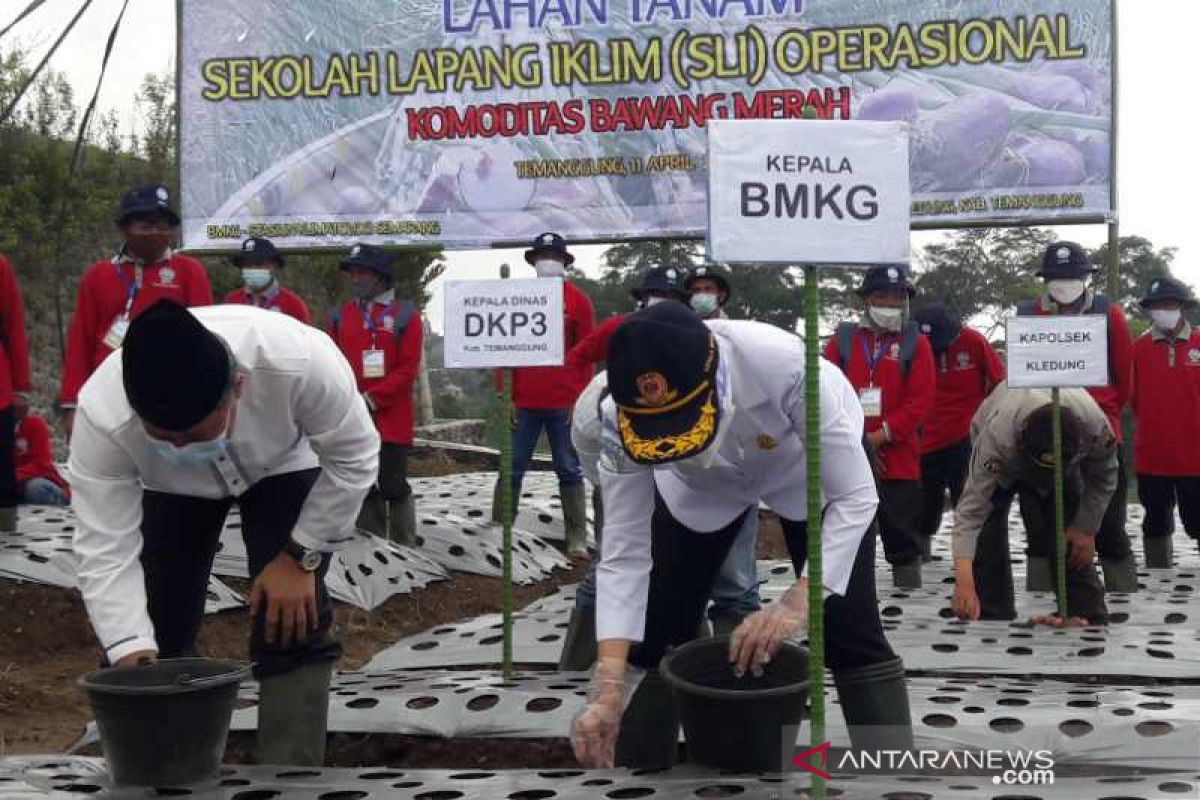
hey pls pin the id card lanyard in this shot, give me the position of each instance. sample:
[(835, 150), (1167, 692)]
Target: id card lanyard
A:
[(374, 362), (872, 396), (116, 333)]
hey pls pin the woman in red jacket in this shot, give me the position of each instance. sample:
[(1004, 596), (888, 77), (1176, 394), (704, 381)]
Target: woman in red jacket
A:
[(381, 336), (38, 479), (14, 388)]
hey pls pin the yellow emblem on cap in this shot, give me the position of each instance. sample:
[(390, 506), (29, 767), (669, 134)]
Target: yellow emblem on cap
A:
[(653, 390), (765, 442), (662, 449)]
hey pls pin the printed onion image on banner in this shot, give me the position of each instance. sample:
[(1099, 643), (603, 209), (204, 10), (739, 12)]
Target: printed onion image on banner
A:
[(469, 123)]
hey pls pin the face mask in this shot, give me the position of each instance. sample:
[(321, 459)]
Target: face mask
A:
[(705, 304), (549, 268), (149, 248), (886, 319), (1165, 319), (193, 454), (1064, 292), (257, 278)]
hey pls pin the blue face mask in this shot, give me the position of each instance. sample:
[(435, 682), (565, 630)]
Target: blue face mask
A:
[(192, 454)]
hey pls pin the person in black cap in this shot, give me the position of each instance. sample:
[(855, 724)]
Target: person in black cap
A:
[(709, 291), (200, 410), (260, 264), (543, 397), (704, 421), (1166, 405), (382, 336), (890, 365), (659, 283), (114, 291), (1066, 270)]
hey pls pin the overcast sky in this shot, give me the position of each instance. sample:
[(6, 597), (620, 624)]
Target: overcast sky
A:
[(1158, 122)]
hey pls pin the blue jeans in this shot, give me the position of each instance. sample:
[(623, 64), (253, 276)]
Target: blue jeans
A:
[(43, 492), (557, 424), (735, 590)]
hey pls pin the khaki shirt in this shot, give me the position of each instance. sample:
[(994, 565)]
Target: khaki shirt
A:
[(995, 460)]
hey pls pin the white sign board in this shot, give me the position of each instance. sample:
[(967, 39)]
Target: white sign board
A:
[(808, 192), (1058, 351), (504, 323)]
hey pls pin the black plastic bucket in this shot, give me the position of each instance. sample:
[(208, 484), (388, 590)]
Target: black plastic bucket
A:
[(165, 723), (736, 723)]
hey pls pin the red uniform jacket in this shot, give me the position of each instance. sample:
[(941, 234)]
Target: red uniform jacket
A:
[(594, 347), (283, 300), (966, 373), (101, 300), (1166, 404), (906, 401), (1111, 398), (557, 387), (34, 455), (14, 355), (390, 397)]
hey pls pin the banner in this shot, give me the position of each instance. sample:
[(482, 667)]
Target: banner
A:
[(469, 123), (808, 192), (503, 323), (1049, 352)]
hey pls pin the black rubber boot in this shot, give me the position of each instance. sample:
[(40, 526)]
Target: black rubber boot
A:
[(8, 519), (402, 522), (907, 576), (874, 702), (1160, 552), (926, 549), (579, 645), (293, 715), (649, 735), (1039, 574), (373, 517), (1120, 576)]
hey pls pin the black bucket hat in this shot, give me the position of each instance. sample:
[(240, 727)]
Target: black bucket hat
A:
[(550, 243), (153, 199), (368, 256), (1065, 260), (712, 274), (888, 278), (940, 324), (667, 278), (257, 251), (662, 368), (1168, 288)]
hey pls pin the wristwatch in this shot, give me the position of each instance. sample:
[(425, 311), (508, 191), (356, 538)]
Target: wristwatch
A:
[(309, 560)]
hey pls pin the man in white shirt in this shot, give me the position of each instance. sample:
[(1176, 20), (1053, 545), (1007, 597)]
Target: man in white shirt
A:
[(198, 410), (702, 424)]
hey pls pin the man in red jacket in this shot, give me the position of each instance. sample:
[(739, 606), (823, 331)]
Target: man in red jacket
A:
[(658, 284), (890, 365), (260, 264), (14, 388), (1166, 404), (1065, 270), (382, 337), (38, 480), (114, 291), (544, 396), (967, 371)]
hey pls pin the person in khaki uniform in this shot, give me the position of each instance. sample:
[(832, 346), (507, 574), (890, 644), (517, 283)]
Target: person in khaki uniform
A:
[(1012, 434)]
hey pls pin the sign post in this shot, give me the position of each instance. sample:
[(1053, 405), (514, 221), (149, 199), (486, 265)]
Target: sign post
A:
[(1056, 353), (817, 193), (504, 324)]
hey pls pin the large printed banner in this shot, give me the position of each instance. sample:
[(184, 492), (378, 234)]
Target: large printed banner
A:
[(478, 122)]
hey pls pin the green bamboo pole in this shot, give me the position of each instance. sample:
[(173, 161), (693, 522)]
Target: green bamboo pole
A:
[(1060, 539), (816, 601), (506, 507)]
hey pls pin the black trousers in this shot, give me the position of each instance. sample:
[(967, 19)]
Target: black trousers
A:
[(393, 472), (899, 519), (1160, 494), (9, 496), (942, 470), (180, 535), (1112, 540), (993, 569), (686, 564)]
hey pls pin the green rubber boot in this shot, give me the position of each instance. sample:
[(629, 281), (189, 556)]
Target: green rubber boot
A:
[(1120, 576), (293, 714), (649, 735), (1160, 552), (8, 520), (874, 702), (373, 517), (402, 521), (574, 506), (907, 576), (1039, 574), (579, 645)]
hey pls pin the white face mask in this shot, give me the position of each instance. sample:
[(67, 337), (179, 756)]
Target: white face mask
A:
[(193, 454), (549, 268), (256, 278), (1066, 291), (886, 319), (705, 304), (1165, 319)]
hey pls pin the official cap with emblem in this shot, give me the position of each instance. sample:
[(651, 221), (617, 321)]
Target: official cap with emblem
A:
[(662, 366), (712, 274), (1167, 288), (175, 370), (887, 278), (257, 251), (666, 278), (150, 200), (368, 256), (550, 244), (1065, 260)]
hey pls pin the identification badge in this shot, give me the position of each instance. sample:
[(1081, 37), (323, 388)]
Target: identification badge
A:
[(116, 334), (871, 399), (373, 364)]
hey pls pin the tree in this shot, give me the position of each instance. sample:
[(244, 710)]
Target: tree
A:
[(1139, 263)]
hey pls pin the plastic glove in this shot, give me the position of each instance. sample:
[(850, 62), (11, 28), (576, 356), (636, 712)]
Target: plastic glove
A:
[(758, 638), (594, 728)]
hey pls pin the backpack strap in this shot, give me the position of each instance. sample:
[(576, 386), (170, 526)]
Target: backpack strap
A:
[(405, 310), (908, 347), (845, 342), (1100, 305)]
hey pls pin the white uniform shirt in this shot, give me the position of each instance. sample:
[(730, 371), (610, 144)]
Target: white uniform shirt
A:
[(299, 409), (761, 458)]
